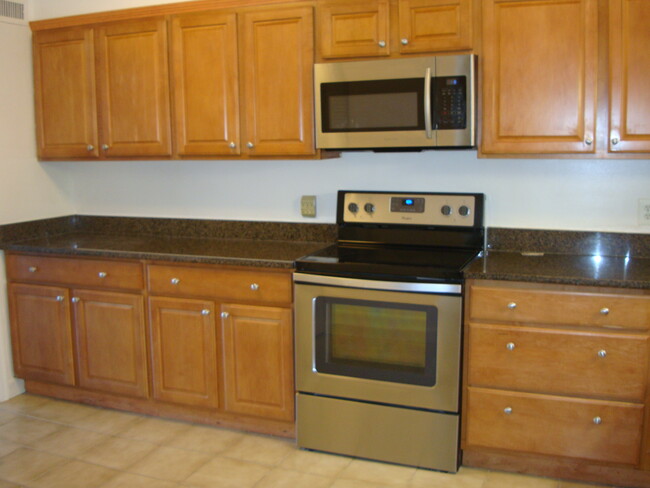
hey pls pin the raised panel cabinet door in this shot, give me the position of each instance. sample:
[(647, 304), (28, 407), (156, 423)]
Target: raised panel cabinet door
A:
[(353, 29), (276, 59), (133, 89), (435, 25), (111, 345), (184, 351), (258, 357), (41, 333), (206, 84), (539, 76), (629, 63), (64, 93)]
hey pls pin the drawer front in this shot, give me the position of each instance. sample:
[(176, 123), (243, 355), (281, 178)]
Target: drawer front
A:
[(587, 429), (559, 361), (75, 271), (225, 283), (559, 307)]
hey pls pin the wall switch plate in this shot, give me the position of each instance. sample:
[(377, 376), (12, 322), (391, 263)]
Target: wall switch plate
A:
[(644, 211), (308, 206)]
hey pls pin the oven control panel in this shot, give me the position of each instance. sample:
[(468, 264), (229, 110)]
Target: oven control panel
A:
[(450, 209)]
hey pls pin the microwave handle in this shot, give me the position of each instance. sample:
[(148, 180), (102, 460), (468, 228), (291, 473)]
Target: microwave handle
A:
[(427, 104)]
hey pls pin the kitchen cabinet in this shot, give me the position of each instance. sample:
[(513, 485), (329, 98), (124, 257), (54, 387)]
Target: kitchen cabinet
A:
[(184, 351), (59, 324), (629, 70), (258, 352), (559, 371), (103, 91), (371, 28), (540, 70)]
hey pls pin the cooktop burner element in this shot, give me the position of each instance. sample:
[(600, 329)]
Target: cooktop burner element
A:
[(402, 236)]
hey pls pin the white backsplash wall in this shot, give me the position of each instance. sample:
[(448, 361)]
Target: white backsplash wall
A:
[(597, 195)]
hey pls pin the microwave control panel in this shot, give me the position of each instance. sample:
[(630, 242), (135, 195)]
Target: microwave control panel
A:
[(431, 209), (450, 106)]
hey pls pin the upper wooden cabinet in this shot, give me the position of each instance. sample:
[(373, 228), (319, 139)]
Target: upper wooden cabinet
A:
[(366, 28), (540, 69), (133, 88), (629, 63)]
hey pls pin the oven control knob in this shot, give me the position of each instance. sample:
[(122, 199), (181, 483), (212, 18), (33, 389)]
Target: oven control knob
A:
[(445, 210), (369, 207), (353, 207), (464, 210)]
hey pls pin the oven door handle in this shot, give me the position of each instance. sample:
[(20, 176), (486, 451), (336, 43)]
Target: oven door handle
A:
[(439, 288)]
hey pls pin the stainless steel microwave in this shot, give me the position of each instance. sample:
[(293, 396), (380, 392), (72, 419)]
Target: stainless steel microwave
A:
[(424, 102)]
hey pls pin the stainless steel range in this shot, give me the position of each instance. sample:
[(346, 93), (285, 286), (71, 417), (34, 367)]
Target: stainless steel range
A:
[(378, 328)]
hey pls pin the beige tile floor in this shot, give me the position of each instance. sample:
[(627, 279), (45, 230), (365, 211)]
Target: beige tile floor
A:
[(47, 443)]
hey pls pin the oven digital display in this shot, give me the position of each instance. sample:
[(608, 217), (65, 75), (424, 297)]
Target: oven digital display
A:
[(407, 204)]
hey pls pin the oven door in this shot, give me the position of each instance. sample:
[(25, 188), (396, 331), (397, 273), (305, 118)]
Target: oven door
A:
[(390, 343)]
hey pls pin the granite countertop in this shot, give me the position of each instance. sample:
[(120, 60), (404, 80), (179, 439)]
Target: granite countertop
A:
[(263, 244)]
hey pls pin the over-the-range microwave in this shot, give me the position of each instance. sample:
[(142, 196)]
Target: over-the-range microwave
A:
[(422, 102)]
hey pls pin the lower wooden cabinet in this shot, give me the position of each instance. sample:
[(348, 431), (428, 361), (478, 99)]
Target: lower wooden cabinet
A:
[(184, 362), (41, 333), (258, 359)]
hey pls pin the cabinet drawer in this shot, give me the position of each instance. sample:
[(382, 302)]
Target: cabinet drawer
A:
[(75, 271), (559, 307), (559, 361), (224, 283), (588, 429)]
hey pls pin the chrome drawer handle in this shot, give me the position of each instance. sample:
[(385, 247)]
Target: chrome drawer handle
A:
[(175, 281), (381, 43), (75, 299), (255, 286), (510, 346), (225, 315), (507, 410), (32, 269), (60, 298), (512, 305), (604, 311), (102, 274), (205, 311), (598, 420), (602, 353)]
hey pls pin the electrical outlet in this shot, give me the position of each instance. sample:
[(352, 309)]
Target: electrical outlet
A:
[(308, 206), (644, 211)]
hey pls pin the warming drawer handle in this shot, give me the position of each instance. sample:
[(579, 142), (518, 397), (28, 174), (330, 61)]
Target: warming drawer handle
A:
[(427, 104)]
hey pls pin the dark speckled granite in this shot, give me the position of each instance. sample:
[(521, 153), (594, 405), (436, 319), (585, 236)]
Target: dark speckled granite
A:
[(264, 244)]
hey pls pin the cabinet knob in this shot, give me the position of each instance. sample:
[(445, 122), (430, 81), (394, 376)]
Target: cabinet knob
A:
[(615, 141), (510, 346), (604, 311), (512, 305), (232, 145), (598, 420), (250, 145), (255, 286), (90, 148), (102, 274), (105, 147), (60, 298), (404, 41), (32, 269), (507, 410), (225, 315), (589, 140), (75, 299), (602, 353), (205, 311), (175, 281), (381, 43)]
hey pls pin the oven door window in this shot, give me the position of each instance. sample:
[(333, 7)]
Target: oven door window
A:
[(376, 340), (373, 106)]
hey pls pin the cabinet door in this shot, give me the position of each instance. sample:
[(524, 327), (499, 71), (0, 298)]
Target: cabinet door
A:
[(205, 74), (111, 346), (133, 89), (435, 25), (277, 63), (41, 333), (353, 29), (64, 91), (184, 351), (539, 76), (629, 38), (258, 352)]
